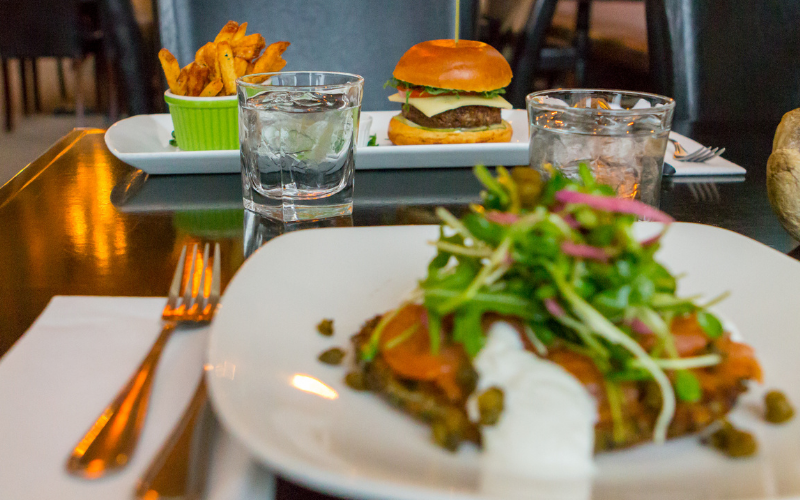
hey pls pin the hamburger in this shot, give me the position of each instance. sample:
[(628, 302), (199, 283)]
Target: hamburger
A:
[(451, 94)]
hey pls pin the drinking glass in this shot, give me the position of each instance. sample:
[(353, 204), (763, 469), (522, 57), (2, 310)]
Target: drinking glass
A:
[(297, 136), (621, 136)]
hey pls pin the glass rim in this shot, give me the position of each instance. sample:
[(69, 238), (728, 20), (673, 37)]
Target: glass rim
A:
[(667, 105), (357, 80)]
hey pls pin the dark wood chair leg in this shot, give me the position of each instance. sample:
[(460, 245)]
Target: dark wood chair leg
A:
[(62, 81), (100, 68), (658, 47), (527, 52), (23, 77), (7, 94), (37, 101), (80, 105), (112, 89), (582, 41)]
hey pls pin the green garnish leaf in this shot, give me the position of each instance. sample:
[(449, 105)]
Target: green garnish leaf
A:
[(373, 140), (710, 324), (394, 82), (687, 387)]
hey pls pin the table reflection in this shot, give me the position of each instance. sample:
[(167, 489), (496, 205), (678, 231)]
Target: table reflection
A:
[(258, 230)]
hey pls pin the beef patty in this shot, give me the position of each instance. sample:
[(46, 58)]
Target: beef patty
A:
[(463, 117)]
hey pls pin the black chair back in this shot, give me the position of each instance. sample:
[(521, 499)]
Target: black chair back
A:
[(726, 61), (365, 37)]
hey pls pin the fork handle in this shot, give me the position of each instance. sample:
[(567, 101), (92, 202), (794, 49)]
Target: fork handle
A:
[(178, 471), (110, 442)]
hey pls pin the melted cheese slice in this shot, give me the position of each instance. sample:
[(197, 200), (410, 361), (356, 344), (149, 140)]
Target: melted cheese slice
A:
[(434, 105)]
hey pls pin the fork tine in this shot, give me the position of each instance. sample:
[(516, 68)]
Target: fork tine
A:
[(201, 288), (187, 290), (213, 296), (695, 154), (714, 153), (703, 155), (199, 295), (175, 287), (708, 153)]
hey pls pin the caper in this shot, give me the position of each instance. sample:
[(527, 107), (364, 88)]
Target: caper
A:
[(466, 377), (356, 381), (778, 408), (490, 405), (325, 327), (442, 435), (732, 441), (529, 185), (333, 356), (449, 429)]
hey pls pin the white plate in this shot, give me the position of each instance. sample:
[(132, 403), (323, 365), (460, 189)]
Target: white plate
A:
[(143, 142), (356, 445)]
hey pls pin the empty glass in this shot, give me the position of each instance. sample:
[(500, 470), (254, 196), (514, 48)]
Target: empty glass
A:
[(297, 136), (621, 136)]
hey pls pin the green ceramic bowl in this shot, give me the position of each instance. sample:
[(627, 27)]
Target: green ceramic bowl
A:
[(204, 123)]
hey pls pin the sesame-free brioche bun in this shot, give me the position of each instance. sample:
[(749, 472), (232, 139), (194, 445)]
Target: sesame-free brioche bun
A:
[(467, 65), (402, 134)]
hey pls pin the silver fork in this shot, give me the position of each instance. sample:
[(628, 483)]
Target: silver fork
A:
[(702, 154), (112, 439)]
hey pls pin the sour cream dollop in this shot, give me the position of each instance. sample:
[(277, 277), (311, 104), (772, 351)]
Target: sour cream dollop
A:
[(546, 430)]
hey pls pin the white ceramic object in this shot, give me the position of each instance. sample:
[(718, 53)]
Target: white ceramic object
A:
[(143, 142), (264, 344)]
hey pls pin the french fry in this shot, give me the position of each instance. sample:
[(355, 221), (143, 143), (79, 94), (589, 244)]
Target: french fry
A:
[(240, 66), (183, 80), (227, 32), (212, 88), (216, 66), (241, 32), (226, 67), (209, 56), (171, 69), (201, 56), (197, 79), (249, 46), (271, 60)]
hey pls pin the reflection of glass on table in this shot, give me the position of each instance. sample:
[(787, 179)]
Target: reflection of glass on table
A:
[(621, 136), (297, 134)]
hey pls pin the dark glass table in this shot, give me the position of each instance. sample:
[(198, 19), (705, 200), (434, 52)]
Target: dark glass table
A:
[(77, 221)]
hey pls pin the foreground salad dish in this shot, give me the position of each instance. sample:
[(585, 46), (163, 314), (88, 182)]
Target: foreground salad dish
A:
[(545, 286)]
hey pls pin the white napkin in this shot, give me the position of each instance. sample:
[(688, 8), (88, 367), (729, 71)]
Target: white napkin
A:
[(68, 366), (714, 166)]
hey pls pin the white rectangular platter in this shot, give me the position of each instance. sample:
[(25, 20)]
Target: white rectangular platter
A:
[(142, 141)]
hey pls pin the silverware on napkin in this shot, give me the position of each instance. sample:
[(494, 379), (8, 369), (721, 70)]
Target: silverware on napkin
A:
[(701, 155), (112, 439)]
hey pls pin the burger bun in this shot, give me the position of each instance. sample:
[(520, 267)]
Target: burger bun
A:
[(403, 134)]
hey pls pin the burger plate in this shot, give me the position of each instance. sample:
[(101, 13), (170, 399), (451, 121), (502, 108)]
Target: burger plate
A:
[(143, 141)]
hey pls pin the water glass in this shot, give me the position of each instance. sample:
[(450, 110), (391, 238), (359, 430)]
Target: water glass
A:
[(297, 137), (621, 136)]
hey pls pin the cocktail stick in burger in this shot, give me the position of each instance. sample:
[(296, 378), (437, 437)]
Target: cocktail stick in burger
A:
[(450, 93)]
